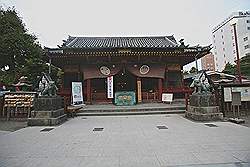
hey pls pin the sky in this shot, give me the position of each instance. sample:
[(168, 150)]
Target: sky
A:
[(193, 20)]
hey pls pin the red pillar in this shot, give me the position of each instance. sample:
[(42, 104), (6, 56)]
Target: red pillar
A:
[(159, 89), (88, 91)]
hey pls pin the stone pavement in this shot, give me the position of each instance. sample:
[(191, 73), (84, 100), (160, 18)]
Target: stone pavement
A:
[(12, 125), (128, 141)]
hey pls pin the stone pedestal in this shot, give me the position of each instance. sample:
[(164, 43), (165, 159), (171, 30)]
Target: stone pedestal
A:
[(203, 107), (48, 111)]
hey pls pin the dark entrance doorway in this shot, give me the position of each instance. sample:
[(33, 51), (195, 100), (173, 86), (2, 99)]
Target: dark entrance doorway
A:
[(150, 90), (124, 81)]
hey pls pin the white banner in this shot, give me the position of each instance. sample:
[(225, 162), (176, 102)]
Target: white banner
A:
[(110, 87), (77, 95)]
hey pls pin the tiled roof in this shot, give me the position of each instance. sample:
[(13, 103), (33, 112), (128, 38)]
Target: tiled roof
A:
[(120, 42)]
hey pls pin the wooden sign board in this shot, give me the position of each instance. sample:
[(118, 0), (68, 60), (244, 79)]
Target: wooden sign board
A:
[(236, 98), (139, 91), (167, 97)]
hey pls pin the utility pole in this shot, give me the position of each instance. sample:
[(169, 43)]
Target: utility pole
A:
[(237, 54)]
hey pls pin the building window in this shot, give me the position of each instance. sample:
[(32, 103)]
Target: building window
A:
[(232, 31), (248, 21), (223, 43), (233, 44), (214, 36), (248, 28), (224, 55), (222, 36), (221, 30), (234, 51), (245, 39), (247, 46), (223, 49), (232, 37)]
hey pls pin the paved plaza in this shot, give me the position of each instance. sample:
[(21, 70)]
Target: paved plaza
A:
[(145, 141)]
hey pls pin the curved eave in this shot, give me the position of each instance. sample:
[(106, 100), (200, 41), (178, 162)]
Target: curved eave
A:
[(199, 51)]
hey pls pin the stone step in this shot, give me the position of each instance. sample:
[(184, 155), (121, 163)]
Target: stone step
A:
[(47, 114), (118, 113), (132, 109), (47, 121)]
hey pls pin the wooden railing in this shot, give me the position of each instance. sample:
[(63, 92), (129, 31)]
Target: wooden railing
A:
[(183, 89), (149, 96)]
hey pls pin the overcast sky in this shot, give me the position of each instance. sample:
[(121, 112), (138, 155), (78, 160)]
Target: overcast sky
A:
[(53, 20)]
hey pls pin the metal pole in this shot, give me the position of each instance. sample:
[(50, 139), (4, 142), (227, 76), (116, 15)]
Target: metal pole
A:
[(49, 65), (237, 54), (196, 63)]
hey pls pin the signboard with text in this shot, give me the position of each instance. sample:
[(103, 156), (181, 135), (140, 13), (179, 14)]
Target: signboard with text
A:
[(77, 95), (110, 87), (167, 97), (244, 92)]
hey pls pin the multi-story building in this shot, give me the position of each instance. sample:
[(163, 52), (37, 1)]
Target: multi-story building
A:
[(224, 42), (207, 62)]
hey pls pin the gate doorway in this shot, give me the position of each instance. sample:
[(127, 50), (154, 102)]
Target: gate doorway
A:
[(124, 81)]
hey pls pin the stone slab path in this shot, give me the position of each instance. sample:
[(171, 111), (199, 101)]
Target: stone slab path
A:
[(149, 140)]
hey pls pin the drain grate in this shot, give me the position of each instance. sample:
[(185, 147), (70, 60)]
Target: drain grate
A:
[(211, 125), (161, 127), (46, 129), (84, 118), (98, 129)]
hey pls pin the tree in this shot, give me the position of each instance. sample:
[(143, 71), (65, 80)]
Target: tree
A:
[(229, 69), (193, 70), (244, 67), (20, 53)]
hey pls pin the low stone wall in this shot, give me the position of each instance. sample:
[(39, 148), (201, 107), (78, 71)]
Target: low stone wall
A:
[(45, 103), (203, 107), (48, 111)]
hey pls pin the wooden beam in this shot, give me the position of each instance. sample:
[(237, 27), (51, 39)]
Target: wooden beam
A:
[(138, 58), (139, 94), (159, 89), (87, 58), (109, 58), (88, 91), (160, 58)]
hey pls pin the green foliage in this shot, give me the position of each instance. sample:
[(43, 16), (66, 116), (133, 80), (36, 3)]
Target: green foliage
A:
[(19, 51), (244, 67), (229, 69)]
